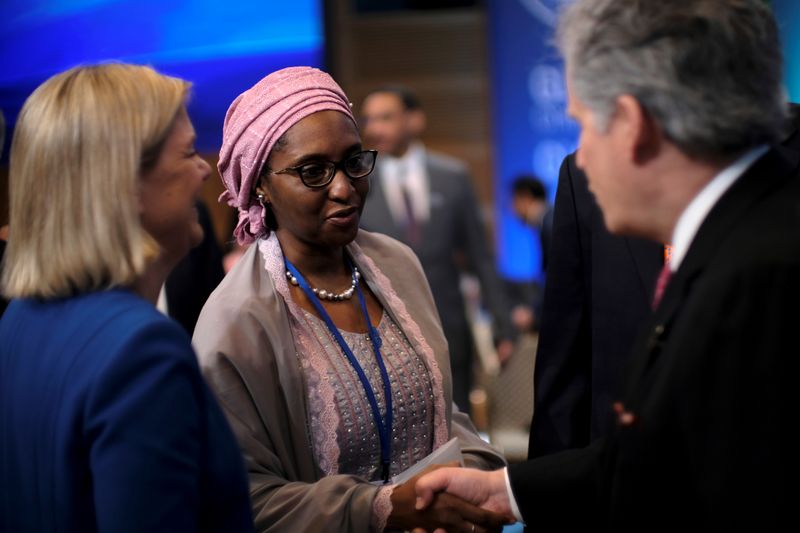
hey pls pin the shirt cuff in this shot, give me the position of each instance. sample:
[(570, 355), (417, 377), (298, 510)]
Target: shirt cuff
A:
[(511, 500)]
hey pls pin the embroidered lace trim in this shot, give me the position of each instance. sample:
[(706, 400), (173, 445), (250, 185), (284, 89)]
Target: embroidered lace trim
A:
[(381, 508), (413, 333), (322, 413)]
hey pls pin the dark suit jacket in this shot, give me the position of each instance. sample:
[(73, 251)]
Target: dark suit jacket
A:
[(454, 231), (598, 292), (711, 386), (195, 277)]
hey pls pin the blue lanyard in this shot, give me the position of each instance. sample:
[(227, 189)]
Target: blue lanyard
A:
[(384, 427)]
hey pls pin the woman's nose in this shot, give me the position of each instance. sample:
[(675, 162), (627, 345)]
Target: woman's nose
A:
[(341, 185)]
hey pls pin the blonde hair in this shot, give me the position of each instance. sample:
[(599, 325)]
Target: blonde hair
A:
[(81, 143)]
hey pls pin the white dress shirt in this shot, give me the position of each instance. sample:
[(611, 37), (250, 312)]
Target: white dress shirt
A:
[(407, 172), (696, 212)]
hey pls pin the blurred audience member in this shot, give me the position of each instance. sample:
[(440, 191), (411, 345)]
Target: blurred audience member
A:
[(425, 200), (105, 421), (529, 203), (323, 343)]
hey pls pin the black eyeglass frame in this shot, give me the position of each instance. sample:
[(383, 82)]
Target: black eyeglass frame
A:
[(336, 165)]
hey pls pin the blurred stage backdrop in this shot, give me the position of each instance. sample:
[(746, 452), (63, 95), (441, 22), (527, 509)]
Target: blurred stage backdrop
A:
[(222, 47), (531, 129), (532, 132), (225, 47), (787, 12)]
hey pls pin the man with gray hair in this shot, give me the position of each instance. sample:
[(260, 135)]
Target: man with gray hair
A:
[(680, 105)]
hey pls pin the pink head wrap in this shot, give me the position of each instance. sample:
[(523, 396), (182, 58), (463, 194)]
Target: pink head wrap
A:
[(255, 121)]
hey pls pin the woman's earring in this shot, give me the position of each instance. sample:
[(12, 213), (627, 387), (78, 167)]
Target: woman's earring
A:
[(261, 200)]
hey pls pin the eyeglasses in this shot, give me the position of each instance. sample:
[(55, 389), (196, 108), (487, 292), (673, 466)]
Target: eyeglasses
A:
[(318, 174)]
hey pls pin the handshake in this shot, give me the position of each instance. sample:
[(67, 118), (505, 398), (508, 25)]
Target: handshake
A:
[(451, 499)]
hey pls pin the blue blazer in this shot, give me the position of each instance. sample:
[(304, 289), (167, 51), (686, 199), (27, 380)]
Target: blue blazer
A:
[(107, 425)]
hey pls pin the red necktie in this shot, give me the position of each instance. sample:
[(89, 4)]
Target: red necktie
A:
[(663, 276), (661, 284)]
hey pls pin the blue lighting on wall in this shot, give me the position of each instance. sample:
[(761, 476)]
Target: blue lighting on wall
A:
[(221, 47), (787, 13), (532, 133)]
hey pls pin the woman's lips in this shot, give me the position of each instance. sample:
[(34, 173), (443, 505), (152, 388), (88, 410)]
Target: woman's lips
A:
[(344, 217)]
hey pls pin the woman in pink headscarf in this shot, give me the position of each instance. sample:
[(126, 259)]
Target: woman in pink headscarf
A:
[(323, 343)]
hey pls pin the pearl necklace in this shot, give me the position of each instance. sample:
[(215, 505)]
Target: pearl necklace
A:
[(331, 296)]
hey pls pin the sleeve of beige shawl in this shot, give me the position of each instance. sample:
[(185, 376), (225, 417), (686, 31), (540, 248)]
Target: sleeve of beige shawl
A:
[(250, 395), (477, 453)]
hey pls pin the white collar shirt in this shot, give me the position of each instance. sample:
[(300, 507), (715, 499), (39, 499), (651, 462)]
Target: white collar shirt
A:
[(406, 172), (696, 212)]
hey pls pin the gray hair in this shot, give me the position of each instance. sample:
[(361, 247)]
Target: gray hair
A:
[(708, 71)]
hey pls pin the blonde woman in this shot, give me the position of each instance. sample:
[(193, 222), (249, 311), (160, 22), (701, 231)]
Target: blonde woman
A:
[(105, 421)]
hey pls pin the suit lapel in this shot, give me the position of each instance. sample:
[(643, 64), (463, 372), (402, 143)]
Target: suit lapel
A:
[(436, 196), (769, 172), (647, 258), (377, 199)]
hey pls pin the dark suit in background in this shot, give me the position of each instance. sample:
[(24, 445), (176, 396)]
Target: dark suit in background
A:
[(453, 232), (195, 277), (711, 389), (598, 292)]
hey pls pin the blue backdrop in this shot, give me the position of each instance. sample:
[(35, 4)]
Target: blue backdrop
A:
[(222, 47), (787, 12), (532, 132)]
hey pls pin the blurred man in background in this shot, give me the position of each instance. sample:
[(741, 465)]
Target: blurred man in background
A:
[(425, 200), (529, 203)]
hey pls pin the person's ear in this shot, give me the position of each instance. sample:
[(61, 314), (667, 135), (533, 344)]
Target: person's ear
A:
[(639, 137), (262, 191), (417, 122)]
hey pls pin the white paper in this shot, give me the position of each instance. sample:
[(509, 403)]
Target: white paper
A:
[(448, 453)]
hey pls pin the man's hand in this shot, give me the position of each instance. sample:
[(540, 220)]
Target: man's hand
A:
[(443, 512), (484, 489), (523, 318), (505, 349)]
